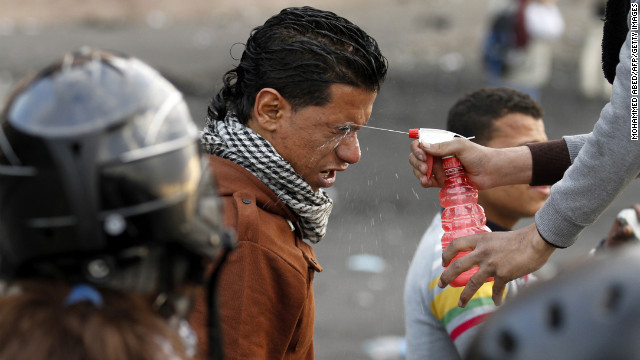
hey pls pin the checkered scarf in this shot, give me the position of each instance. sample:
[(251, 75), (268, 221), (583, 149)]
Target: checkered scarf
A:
[(231, 140)]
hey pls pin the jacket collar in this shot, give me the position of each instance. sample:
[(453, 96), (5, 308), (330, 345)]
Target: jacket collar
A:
[(231, 177)]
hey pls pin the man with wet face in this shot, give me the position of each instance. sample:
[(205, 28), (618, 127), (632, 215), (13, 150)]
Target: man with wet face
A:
[(280, 129), (436, 327)]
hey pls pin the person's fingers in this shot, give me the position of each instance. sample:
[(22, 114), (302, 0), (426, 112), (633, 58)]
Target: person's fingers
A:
[(429, 173), (417, 151), (499, 287), (620, 230), (503, 255), (455, 268), (414, 145), (424, 180), (625, 231), (465, 243), (448, 275), (428, 182), (473, 285), (417, 173), (418, 165), (446, 148)]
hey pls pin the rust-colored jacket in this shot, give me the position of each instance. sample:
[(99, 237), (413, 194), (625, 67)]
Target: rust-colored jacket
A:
[(265, 288)]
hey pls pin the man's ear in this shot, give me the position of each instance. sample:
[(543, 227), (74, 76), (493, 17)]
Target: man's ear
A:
[(269, 108)]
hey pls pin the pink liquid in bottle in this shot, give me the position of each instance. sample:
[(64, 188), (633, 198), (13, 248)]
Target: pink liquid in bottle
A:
[(462, 215)]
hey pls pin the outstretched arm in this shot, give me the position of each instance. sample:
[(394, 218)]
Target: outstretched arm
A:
[(605, 165)]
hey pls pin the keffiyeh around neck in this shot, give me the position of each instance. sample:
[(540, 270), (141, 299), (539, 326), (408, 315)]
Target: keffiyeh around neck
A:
[(231, 140)]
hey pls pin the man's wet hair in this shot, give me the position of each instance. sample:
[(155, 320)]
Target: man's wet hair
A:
[(300, 52), (475, 113)]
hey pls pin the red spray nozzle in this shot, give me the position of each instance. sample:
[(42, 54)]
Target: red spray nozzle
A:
[(432, 136)]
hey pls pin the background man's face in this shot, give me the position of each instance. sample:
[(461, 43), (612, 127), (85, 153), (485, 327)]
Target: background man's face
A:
[(319, 141), (505, 205)]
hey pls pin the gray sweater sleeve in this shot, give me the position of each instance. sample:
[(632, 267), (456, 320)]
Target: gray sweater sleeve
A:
[(605, 161), (574, 144)]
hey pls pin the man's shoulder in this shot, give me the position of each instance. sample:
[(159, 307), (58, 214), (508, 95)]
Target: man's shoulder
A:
[(240, 186), (262, 222), (254, 220), (430, 244), (426, 266), (230, 176)]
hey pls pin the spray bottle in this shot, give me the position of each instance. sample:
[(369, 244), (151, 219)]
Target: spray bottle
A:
[(462, 215)]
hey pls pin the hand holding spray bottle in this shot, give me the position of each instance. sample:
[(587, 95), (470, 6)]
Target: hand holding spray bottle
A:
[(462, 215)]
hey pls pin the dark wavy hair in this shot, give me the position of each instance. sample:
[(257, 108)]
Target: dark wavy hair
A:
[(614, 34), (300, 52), (475, 112)]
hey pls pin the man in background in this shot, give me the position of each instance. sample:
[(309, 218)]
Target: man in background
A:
[(518, 51), (436, 328)]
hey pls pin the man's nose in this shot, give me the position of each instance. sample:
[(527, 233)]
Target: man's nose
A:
[(349, 149)]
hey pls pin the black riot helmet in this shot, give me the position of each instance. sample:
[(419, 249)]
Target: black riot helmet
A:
[(101, 179)]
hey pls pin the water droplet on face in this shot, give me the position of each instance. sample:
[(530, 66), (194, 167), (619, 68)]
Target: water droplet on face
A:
[(335, 141)]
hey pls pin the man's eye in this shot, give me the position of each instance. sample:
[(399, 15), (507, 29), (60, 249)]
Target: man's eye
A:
[(346, 128)]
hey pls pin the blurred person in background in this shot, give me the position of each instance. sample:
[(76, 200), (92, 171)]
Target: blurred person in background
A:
[(281, 128), (518, 50), (592, 84), (435, 327), (622, 231), (108, 214)]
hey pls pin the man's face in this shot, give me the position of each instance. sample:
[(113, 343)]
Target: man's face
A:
[(319, 141), (505, 205)]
